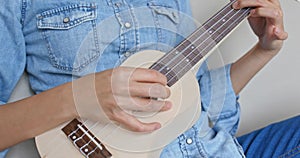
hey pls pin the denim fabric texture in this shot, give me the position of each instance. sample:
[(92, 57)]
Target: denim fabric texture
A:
[(279, 140), (57, 41)]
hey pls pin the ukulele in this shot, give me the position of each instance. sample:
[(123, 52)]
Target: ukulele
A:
[(85, 138)]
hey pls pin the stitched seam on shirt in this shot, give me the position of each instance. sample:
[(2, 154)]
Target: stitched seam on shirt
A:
[(67, 8), (122, 38), (136, 26), (182, 145), (83, 65), (23, 11), (96, 38), (158, 28), (199, 146), (291, 151)]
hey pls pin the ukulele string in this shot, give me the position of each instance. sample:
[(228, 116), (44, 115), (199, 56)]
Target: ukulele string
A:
[(98, 132), (206, 46), (183, 50), (92, 138), (196, 32), (166, 64)]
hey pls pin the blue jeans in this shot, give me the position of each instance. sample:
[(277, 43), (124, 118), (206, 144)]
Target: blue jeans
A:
[(280, 139)]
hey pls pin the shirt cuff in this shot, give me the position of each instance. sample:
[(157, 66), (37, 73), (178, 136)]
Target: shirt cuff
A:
[(219, 99), (1, 103), (3, 153)]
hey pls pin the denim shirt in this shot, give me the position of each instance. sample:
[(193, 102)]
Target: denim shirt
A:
[(57, 41)]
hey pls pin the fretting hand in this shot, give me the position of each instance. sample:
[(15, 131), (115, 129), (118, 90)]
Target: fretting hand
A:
[(266, 20)]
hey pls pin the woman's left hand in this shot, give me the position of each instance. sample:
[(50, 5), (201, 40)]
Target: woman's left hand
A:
[(266, 20)]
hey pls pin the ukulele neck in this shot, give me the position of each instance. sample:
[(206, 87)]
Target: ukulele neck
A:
[(190, 51)]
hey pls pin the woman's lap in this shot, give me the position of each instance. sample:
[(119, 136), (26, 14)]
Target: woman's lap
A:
[(280, 139)]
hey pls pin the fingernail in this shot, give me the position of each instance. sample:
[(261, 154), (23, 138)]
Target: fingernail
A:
[(252, 12), (168, 105), (277, 30), (158, 126)]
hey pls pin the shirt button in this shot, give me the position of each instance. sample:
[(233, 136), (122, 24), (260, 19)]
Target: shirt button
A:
[(118, 4), (66, 20), (127, 54), (189, 141), (127, 25)]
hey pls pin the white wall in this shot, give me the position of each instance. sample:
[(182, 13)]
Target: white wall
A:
[(274, 93)]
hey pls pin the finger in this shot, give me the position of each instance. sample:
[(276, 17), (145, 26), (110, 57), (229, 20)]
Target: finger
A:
[(151, 90), (276, 2), (239, 4), (145, 105), (274, 14), (148, 75), (280, 34), (133, 124)]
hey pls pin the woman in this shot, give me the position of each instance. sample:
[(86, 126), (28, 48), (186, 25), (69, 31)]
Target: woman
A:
[(58, 40)]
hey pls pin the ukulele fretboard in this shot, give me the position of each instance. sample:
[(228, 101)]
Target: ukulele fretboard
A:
[(189, 52), (85, 141)]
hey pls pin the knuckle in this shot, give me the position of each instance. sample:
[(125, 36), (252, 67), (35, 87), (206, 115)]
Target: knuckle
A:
[(115, 115), (131, 89), (153, 74), (168, 94), (138, 128), (157, 90), (149, 108), (260, 2), (147, 105), (279, 12)]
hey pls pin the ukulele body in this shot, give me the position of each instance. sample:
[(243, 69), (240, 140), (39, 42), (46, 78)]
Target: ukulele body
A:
[(185, 96)]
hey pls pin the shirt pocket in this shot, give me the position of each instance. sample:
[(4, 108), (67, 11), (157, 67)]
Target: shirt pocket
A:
[(65, 29), (166, 20)]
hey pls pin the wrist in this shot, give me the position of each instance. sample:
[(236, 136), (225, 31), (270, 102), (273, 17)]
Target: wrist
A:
[(271, 48), (67, 100), (261, 52)]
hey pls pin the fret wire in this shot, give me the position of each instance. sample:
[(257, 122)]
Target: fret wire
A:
[(202, 34), (196, 32), (81, 137), (73, 132), (241, 17), (85, 141), (192, 35), (93, 140), (227, 29), (86, 144), (77, 139), (95, 124), (220, 24), (92, 151)]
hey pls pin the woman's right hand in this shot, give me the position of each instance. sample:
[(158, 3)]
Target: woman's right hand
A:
[(113, 94)]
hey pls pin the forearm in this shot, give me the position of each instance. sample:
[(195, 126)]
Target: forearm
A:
[(30, 117), (243, 70)]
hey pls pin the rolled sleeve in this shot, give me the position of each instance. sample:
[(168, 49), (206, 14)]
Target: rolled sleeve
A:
[(1, 103), (219, 99), (3, 153), (12, 50)]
